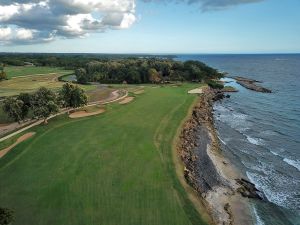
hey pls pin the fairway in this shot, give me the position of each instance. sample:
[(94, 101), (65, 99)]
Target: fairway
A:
[(17, 71), (112, 169)]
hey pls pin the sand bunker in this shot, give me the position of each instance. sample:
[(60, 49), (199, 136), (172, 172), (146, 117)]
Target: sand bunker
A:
[(196, 91), (80, 114), (139, 92), (126, 100), (19, 140)]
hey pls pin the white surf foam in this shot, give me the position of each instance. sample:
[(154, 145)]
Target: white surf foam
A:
[(293, 163), (255, 141), (274, 153), (257, 217), (224, 143), (262, 184)]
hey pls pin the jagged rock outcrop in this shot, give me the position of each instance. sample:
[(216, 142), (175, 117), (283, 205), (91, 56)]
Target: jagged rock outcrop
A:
[(251, 84)]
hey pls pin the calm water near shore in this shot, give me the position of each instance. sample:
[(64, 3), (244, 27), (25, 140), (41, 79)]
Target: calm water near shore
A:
[(260, 132)]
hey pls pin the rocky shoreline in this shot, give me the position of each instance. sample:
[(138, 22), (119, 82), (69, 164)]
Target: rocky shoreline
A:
[(224, 191)]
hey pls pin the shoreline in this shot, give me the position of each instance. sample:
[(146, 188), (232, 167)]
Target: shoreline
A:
[(211, 176)]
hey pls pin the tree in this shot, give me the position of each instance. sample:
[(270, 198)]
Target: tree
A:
[(154, 76), (81, 76), (72, 96), (44, 103), (13, 108), (6, 216), (26, 99), (3, 75)]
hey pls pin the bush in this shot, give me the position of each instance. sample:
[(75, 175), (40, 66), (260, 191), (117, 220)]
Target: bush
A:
[(6, 216), (215, 85)]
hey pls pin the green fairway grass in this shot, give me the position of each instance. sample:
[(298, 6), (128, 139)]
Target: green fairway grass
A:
[(112, 169), (17, 71)]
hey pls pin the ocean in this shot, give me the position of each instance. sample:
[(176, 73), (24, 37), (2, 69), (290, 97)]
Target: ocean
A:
[(260, 132)]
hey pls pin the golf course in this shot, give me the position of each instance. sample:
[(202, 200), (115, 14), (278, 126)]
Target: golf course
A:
[(21, 71), (114, 168)]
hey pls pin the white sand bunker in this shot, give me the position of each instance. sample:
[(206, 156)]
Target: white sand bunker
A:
[(126, 100), (80, 114), (139, 92), (196, 91), (19, 140)]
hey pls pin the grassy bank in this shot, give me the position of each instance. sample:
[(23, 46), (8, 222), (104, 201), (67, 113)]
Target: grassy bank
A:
[(115, 168), (17, 71)]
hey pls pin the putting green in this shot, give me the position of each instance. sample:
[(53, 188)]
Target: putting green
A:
[(114, 168)]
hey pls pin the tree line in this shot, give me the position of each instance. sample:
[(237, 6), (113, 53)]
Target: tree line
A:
[(44, 102), (136, 71), (67, 61)]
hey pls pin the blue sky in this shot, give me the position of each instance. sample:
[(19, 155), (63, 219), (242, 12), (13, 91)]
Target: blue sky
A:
[(270, 26)]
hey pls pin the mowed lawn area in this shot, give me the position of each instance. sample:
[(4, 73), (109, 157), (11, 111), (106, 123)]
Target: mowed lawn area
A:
[(17, 71), (112, 169)]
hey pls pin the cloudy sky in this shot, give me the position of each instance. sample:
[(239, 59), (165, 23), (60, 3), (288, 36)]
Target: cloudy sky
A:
[(150, 26)]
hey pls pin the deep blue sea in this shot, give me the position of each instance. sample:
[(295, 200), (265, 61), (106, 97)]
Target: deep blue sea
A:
[(260, 132)]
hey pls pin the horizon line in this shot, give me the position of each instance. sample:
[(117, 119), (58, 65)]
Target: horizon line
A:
[(162, 53)]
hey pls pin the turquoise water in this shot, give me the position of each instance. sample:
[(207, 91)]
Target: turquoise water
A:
[(260, 132)]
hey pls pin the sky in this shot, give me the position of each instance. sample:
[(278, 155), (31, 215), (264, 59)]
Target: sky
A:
[(150, 26)]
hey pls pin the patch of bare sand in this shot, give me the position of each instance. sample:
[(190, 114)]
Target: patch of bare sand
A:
[(126, 100), (81, 114), (139, 92), (19, 140), (196, 91)]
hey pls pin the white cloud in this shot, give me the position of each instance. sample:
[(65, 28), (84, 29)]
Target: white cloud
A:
[(7, 11), (24, 34), (5, 33), (128, 20), (44, 20)]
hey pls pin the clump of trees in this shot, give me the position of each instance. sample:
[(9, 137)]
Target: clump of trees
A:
[(3, 75), (72, 96), (215, 84), (81, 76), (44, 102), (6, 216), (154, 70)]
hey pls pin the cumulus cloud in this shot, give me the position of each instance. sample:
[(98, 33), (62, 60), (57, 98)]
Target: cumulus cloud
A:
[(209, 5), (32, 21)]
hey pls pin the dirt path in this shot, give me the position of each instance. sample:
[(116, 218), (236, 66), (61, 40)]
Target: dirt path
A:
[(19, 140), (9, 127)]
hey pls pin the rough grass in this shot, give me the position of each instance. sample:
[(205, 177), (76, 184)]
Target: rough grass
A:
[(27, 84), (99, 94), (115, 168), (10, 141), (17, 71)]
